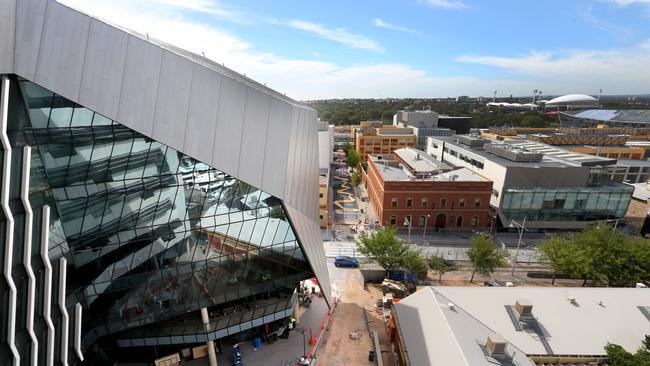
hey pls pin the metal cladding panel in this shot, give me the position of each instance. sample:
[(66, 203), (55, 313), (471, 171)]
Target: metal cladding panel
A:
[(289, 195), (170, 118), (277, 148), (30, 16), (140, 85), (101, 81), (253, 142), (303, 158), (62, 50), (202, 113), (308, 231), (230, 121), (7, 35)]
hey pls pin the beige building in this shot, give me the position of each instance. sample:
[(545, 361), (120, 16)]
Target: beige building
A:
[(370, 140)]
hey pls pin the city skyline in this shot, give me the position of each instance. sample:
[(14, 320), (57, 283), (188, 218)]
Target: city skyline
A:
[(417, 48)]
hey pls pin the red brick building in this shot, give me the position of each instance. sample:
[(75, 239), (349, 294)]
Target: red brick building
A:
[(412, 186)]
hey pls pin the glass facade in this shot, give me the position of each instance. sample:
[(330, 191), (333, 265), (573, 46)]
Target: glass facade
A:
[(562, 204), (148, 233)]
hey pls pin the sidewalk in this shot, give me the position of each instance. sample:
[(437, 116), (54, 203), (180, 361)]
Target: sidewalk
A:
[(284, 351)]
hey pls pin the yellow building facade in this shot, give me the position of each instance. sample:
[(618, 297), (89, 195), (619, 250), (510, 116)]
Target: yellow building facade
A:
[(384, 140)]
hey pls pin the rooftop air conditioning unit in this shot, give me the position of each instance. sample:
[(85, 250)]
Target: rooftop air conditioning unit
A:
[(525, 309), (496, 346)]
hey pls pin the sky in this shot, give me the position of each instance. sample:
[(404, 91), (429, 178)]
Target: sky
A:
[(407, 48)]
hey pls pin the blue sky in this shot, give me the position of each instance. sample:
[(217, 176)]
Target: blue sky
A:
[(407, 48)]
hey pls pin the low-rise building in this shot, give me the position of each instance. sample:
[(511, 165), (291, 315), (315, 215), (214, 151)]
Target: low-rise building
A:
[(551, 187), (630, 171), (325, 145), (428, 123), (412, 187), (524, 326), (382, 140)]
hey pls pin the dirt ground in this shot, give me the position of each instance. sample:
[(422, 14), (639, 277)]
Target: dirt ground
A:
[(461, 277), (338, 348)]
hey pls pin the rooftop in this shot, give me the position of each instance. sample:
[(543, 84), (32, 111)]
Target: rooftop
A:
[(606, 115), (392, 172), (641, 191), (420, 161), (573, 98), (558, 326), (553, 156)]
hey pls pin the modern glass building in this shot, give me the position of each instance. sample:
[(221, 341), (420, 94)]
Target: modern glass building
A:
[(141, 184)]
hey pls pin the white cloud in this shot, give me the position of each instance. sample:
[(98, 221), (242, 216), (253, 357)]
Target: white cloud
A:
[(614, 29), (630, 2), (316, 79), (618, 70), (446, 4), (340, 35), (377, 22), (200, 6)]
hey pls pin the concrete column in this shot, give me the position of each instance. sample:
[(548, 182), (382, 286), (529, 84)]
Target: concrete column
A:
[(212, 356)]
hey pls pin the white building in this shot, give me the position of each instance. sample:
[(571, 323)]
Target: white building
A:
[(552, 187)]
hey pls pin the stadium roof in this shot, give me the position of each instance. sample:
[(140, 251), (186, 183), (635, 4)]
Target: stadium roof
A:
[(607, 115), (572, 99)]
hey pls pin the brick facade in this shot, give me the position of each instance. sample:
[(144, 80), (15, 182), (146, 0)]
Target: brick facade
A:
[(451, 205)]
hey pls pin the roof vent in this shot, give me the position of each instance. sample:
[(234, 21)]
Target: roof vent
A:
[(572, 299), (524, 310), (451, 306), (496, 346)]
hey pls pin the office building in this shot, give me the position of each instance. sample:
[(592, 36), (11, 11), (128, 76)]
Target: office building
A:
[(325, 146), (382, 140), (411, 187), (524, 326), (428, 123), (152, 200), (551, 187)]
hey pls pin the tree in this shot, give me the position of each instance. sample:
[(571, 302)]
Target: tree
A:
[(413, 261), (485, 256), (440, 265), (355, 180), (385, 248), (353, 158), (564, 257), (600, 254), (618, 356)]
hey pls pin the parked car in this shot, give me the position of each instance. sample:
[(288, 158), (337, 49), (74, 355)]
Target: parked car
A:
[(345, 261)]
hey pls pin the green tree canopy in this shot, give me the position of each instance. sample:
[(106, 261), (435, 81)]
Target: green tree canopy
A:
[(484, 256), (601, 254), (618, 356), (385, 248), (353, 158), (439, 265), (355, 179)]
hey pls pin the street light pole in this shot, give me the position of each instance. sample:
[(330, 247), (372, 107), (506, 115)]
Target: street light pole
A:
[(520, 227), (408, 222), (424, 233)]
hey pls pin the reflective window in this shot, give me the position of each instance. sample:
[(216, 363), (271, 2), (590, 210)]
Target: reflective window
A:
[(149, 233)]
